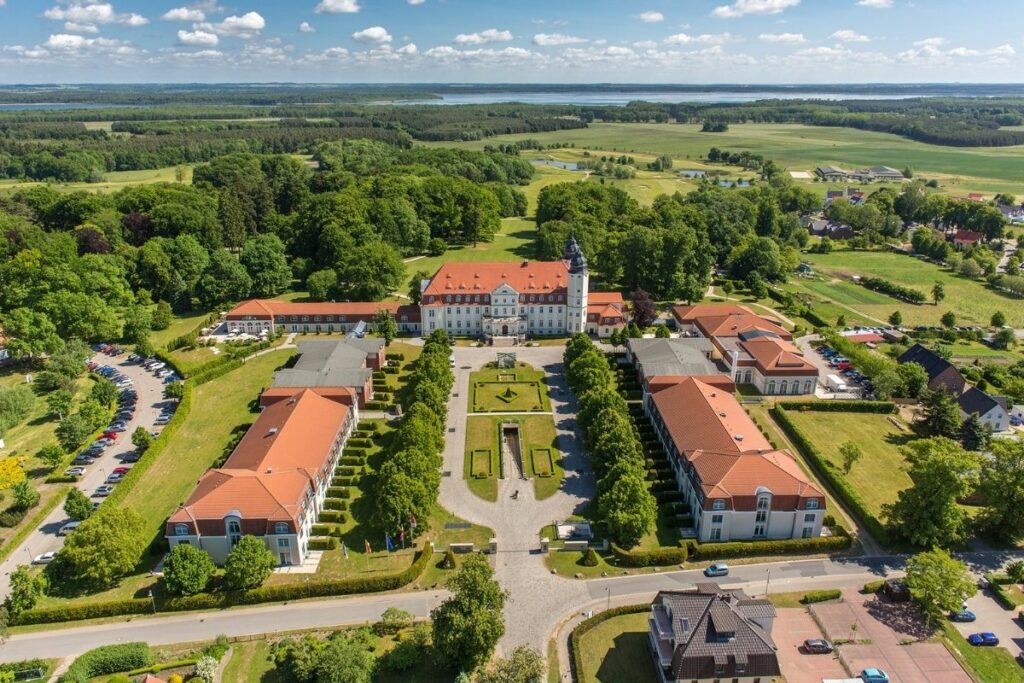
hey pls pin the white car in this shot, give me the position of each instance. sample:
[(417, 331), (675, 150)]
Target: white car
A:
[(103, 491), (68, 528), (45, 558), (74, 471)]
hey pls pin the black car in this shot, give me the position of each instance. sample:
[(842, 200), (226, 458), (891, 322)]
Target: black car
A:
[(896, 590), (818, 646), (131, 456)]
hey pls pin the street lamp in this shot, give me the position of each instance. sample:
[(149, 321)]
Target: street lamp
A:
[(608, 592), (767, 581), (152, 601)]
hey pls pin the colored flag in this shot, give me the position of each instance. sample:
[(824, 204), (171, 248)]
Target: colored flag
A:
[(401, 535), (388, 543), (344, 550), (366, 543)]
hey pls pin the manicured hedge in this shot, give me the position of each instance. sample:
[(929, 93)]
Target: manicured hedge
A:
[(879, 407), (108, 659), (394, 355), (821, 596), (325, 543), (588, 624), (650, 558), (378, 405), (332, 516), (821, 544), (207, 601), (321, 529), (211, 373), (355, 452), (842, 488), (339, 492), (873, 586), (350, 461), (998, 584), (343, 481), (335, 504)]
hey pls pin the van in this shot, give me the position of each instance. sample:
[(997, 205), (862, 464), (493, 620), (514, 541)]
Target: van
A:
[(451, 360)]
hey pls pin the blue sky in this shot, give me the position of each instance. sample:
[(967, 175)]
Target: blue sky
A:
[(561, 41)]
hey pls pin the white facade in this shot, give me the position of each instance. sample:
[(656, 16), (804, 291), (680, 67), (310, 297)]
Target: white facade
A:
[(996, 419)]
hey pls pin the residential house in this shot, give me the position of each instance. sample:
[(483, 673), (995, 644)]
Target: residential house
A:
[(992, 411), (709, 634), (336, 368), (606, 313), (736, 486), (941, 373), (273, 484), (1012, 214), (963, 239), (256, 315)]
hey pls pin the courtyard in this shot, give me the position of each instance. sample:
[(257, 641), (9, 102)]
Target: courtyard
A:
[(518, 389)]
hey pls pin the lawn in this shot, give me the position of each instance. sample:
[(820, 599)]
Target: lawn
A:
[(797, 147), (112, 180), (180, 324), (252, 662), (518, 390), (880, 474), (973, 302), (535, 432), (617, 650)]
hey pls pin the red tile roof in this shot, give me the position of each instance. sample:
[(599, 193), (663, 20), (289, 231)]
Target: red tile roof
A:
[(686, 315), (970, 236), (701, 416), (344, 395), (353, 310), (528, 277), (267, 475), (735, 324), (777, 357), (740, 475)]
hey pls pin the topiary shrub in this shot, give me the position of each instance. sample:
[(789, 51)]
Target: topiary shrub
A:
[(449, 560), (591, 558)]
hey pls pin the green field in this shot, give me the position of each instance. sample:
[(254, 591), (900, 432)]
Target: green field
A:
[(881, 473), (801, 148), (617, 650), (112, 181), (535, 431), (973, 302)]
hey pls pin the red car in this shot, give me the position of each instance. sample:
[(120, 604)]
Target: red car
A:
[(110, 435), (121, 470)]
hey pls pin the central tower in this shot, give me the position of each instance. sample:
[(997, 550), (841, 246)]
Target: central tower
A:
[(579, 282)]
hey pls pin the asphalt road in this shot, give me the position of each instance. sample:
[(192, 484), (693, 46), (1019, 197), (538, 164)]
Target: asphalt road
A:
[(163, 630), (150, 403)]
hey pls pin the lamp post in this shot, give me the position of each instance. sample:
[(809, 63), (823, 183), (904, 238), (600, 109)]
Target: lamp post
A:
[(152, 601), (767, 581), (608, 592)]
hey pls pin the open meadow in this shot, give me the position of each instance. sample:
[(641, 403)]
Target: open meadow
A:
[(796, 147)]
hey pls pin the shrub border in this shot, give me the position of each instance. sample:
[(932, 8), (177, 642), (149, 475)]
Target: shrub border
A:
[(575, 656)]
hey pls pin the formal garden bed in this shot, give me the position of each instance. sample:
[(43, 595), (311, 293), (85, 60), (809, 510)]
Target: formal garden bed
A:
[(508, 390), (541, 457)]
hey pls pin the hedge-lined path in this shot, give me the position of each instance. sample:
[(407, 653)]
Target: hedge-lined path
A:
[(537, 599)]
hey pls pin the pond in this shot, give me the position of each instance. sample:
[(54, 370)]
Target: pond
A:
[(564, 165)]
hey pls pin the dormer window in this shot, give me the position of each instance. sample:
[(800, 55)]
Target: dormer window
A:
[(181, 529), (812, 504), (281, 528), (718, 504)]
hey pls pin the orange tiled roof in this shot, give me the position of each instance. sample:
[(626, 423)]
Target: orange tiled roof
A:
[(268, 473), (605, 298), (528, 277), (777, 356), (735, 324), (742, 474), (265, 308), (687, 314), (701, 416)]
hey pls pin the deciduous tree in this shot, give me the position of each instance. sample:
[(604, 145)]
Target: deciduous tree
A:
[(249, 564), (468, 625), (104, 548), (188, 570), (939, 583)]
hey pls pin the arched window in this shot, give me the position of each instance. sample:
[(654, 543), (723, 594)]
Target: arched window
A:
[(181, 529), (807, 387), (784, 386), (234, 527), (771, 387), (281, 528)]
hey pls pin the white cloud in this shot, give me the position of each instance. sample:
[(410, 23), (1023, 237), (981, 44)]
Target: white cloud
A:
[(782, 38), (646, 44), (306, 27), (198, 38), (410, 48), (847, 36), (373, 34), (702, 39), (963, 52), (73, 46), (742, 8), (75, 27), (930, 42), (416, 2), (650, 17), (491, 35), (617, 51), (875, 4), (338, 7), (93, 13), (1002, 51), (548, 39), (184, 14), (248, 25)]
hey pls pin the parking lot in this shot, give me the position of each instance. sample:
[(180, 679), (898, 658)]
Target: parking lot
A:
[(879, 628), (792, 627), (1006, 624), (149, 405), (830, 363)]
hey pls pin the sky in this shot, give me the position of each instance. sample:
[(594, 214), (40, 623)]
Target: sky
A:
[(512, 41)]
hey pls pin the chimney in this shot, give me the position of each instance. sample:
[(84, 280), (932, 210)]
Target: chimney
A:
[(739, 437), (272, 431)]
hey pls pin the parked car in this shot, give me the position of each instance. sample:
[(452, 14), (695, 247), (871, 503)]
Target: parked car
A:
[(103, 491), (873, 675), (131, 456), (45, 558), (68, 528), (121, 470), (115, 478), (985, 638), (896, 590), (82, 460), (964, 615), (74, 472), (110, 435), (818, 646), (717, 569), (161, 421)]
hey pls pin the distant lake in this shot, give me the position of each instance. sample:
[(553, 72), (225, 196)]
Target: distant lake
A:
[(565, 165), (622, 98)]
